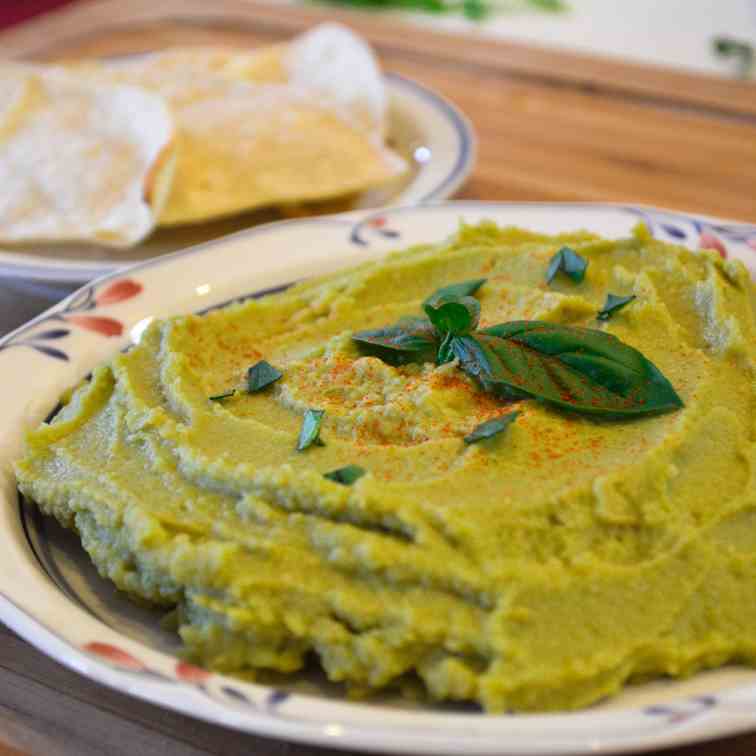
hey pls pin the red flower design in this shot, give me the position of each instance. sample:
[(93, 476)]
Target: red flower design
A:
[(114, 655), (124, 288), (378, 222), (105, 326), (191, 674), (709, 241)]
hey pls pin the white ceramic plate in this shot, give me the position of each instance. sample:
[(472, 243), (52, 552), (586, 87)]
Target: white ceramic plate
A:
[(51, 595), (434, 137)]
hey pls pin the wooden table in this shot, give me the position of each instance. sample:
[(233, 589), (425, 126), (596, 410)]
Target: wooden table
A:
[(552, 126)]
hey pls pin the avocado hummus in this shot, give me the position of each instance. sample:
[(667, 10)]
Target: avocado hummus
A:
[(540, 568)]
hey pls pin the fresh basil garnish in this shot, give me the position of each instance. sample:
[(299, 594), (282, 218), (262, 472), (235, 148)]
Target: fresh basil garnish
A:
[(309, 435), (261, 375), (463, 289), (490, 428), (221, 397), (410, 340), (579, 369), (451, 309), (569, 262), (345, 475), (613, 304), (454, 315)]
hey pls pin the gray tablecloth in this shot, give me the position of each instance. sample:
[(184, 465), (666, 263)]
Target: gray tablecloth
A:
[(22, 300)]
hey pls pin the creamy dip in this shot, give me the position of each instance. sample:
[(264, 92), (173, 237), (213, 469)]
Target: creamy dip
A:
[(538, 570)]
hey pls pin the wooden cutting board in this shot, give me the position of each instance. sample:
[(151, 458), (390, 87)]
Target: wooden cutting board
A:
[(552, 125)]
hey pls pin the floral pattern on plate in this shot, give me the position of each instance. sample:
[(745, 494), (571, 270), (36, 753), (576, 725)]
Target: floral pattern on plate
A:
[(74, 312)]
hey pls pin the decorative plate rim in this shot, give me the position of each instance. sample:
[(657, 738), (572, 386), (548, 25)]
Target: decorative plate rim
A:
[(133, 667), (18, 265)]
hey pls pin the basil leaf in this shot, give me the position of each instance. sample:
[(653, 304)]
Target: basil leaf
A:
[(310, 432), (490, 428), (455, 315), (261, 375), (569, 262), (410, 340), (221, 397), (445, 353), (415, 323), (513, 328), (575, 368), (345, 475), (613, 304), (463, 289)]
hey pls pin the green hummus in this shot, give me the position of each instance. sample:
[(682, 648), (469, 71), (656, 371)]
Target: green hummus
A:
[(539, 569)]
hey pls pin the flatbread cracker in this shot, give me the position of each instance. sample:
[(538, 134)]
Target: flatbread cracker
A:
[(287, 124), (80, 162)]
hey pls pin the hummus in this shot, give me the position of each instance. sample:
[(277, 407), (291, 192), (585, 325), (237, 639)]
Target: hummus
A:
[(540, 569)]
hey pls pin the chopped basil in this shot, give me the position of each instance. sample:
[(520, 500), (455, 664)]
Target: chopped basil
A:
[(221, 397), (345, 475), (613, 304), (490, 428), (261, 375), (569, 262), (309, 435)]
